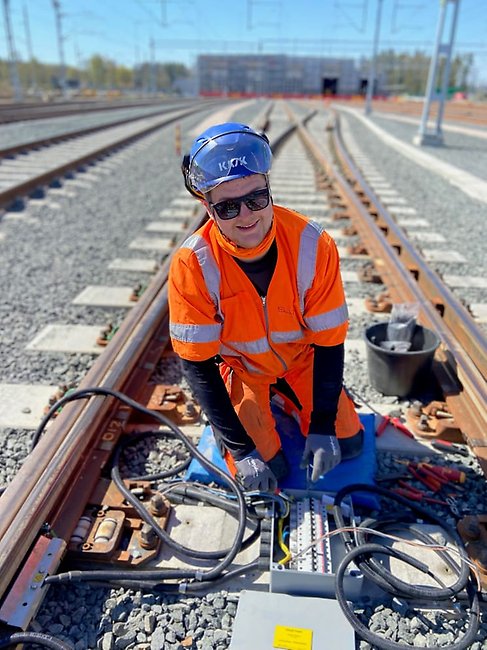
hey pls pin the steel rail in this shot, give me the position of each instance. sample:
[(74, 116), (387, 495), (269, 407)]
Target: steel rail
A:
[(7, 196), (10, 113), (45, 481), (461, 357), (70, 135)]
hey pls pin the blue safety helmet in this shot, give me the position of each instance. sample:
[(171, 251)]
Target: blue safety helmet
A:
[(223, 153)]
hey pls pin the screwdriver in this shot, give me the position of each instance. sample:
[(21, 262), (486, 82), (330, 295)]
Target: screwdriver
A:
[(449, 447), (447, 473)]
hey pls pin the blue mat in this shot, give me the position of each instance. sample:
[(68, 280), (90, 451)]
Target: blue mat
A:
[(357, 470)]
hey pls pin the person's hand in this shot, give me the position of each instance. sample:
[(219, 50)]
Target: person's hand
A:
[(254, 474), (323, 451)]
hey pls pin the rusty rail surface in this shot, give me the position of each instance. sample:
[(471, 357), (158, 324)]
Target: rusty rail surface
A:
[(70, 456), (461, 359)]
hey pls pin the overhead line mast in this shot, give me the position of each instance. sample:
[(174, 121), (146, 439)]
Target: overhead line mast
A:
[(12, 57), (60, 39), (435, 137)]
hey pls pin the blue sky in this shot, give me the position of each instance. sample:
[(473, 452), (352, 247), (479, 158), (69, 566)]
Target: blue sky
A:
[(182, 29)]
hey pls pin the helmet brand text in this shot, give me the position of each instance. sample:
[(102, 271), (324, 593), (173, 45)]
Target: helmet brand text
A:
[(226, 165)]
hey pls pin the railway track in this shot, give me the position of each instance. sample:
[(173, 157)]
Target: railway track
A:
[(78, 444), (20, 112), (29, 166)]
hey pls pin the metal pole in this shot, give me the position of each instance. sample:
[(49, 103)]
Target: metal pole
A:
[(446, 71), (29, 48), (62, 72), (430, 86), (152, 83), (12, 58), (371, 80)]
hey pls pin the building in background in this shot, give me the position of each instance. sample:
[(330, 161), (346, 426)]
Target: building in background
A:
[(268, 74)]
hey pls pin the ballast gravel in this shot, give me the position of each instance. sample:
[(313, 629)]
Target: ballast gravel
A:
[(41, 281)]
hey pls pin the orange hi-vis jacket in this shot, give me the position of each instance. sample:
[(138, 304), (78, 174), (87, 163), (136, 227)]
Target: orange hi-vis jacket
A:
[(215, 309)]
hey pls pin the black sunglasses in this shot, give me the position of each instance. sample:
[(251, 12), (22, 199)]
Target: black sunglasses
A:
[(230, 208)]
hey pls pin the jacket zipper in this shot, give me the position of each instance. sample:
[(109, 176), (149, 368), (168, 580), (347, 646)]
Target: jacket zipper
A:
[(266, 317)]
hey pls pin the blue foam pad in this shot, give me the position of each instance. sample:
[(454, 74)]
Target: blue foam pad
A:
[(356, 470)]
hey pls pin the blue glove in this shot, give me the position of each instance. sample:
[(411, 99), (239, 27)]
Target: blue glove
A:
[(323, 452), (254, 474)]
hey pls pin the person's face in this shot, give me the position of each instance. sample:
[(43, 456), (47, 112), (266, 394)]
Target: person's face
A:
[(248, 228)]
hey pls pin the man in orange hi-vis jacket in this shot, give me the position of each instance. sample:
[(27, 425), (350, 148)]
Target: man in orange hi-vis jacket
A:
[(257, 311)]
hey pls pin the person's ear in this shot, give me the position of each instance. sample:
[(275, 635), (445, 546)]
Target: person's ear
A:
[(206, 205)]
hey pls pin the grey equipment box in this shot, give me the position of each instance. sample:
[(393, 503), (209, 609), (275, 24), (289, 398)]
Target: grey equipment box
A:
[(313, 574), (259, 613)]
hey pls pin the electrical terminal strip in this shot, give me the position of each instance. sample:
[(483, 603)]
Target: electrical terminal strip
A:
[(308, 523)]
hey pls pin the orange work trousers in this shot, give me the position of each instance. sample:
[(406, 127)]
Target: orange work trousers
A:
[(253, 407)]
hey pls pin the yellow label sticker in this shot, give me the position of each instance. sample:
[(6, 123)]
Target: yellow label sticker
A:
[(292, 638)]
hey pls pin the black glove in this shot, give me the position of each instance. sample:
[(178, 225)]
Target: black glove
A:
[(323, 451), (254, 474)]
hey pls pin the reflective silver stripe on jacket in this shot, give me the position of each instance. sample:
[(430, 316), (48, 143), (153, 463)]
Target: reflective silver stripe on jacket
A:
[(209, 268), (211, 274), (328, 320), (308, 247), (228, 352), (287, 337), (195, 333), (258, 346)]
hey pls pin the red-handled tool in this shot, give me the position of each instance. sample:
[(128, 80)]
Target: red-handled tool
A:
[(448, 473), (409, 492), (396, 423), (432, 483), (449, 447)]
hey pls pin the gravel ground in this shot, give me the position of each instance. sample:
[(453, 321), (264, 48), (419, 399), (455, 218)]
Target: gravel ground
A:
[(460, 149), (460, 219), (52, 274), (30, 130)]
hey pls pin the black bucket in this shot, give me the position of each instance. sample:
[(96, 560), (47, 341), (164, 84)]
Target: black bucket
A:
[(396, 373)]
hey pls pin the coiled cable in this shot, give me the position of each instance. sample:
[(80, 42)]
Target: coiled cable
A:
[(364, 554)]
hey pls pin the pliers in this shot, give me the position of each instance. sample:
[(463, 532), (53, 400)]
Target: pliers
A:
[(396, 423)]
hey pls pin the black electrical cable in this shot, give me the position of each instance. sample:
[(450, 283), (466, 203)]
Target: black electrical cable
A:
[(191, 587), (38, 638), (156, 575), (146, 516), (405, 589), (206, 495), (377, 573), (134, 438), (378, 641), (373, 569)]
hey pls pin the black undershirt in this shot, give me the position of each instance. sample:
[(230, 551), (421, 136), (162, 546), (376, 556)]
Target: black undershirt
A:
[(210, 392)]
